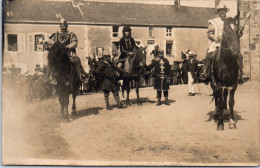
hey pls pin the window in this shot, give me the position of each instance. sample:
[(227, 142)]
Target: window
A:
[(150, 31), (115, 31), (169, 47), (12, 42), (150, 41), (37, 45), (168, 31)]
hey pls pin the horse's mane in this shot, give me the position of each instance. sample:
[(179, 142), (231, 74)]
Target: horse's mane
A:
[(58, 59), (139, 57)]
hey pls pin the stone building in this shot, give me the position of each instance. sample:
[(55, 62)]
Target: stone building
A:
[(249, 42), (98, 24)]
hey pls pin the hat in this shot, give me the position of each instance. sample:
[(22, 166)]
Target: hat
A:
[(190, 53), (106, 56), (222, 6), (63, 22), (127, 29)]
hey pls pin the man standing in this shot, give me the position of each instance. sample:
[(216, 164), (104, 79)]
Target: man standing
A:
[(111, 73), (192, 69), (162, 70), (127, 45), (70, 42), (215, 33)]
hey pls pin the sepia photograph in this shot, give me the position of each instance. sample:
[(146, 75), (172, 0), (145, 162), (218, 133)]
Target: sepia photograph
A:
[(130, 83)]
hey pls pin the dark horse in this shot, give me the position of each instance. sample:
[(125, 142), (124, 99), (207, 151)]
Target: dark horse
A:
[(67, 80), (133, 67), (225, 74)]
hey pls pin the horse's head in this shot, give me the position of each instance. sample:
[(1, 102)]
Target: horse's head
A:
[(141, 54), (230, 38)]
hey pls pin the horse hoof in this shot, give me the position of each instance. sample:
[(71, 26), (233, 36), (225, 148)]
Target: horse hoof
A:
[(220, 127), (74, 113), (232, 124)]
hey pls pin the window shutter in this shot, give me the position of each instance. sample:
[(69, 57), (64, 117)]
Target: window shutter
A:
[(21, 42), (30, 42)]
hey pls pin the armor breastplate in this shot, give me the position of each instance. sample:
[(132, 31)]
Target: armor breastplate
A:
[(64, 38)]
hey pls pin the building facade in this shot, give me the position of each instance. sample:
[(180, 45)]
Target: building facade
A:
[(98, 25), (249, 42)]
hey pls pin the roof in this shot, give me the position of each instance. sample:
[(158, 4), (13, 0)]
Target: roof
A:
[(106, 13)]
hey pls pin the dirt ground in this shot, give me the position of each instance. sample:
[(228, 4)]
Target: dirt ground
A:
[(183, 133)]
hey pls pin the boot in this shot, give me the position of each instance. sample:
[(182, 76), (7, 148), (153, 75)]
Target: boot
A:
[(158, 102), (107, 103), (167, 102), (120, 105), (109, 107)]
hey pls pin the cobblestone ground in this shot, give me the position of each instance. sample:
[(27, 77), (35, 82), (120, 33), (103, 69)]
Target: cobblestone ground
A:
[(183, 133)]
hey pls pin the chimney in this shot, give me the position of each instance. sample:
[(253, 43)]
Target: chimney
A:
[(177, 3)]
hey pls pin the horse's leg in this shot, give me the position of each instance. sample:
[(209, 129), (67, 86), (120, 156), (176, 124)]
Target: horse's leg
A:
[(137, 92), (66, 103), (232, 123), (61, 107), (220, 105), (225, 102), (74, 95), (128, 85)]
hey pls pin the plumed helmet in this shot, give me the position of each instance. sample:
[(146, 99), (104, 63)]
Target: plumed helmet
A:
[(127, 29), (221, 5), (63, 22)]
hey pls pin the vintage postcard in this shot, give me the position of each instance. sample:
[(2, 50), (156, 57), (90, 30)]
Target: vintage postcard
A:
[(131, 82)]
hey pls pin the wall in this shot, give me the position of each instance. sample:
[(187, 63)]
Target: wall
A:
[(28, 58), (90, 37), (249, 42)]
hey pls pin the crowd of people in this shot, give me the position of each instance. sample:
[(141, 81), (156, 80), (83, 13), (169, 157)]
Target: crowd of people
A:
[(31, 86)]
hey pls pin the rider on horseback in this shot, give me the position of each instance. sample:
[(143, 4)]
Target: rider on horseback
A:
[(215, 32), (127, 45), (70, 42)]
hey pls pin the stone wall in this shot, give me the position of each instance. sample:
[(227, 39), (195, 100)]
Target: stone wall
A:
[(249, 42)]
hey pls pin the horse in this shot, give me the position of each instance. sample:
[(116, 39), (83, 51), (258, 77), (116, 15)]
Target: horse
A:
[(225, 71), (67, 79), (133, 67)]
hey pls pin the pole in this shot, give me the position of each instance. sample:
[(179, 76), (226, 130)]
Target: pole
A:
[(249, 42)]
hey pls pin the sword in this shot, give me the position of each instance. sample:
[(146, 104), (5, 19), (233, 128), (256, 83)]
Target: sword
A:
[(247, 18)]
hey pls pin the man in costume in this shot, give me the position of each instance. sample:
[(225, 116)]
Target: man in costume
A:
[(215, 33), (111, 74), (162, 71), (69, 41)]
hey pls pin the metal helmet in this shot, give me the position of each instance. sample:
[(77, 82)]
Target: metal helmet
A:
[(63, 22)]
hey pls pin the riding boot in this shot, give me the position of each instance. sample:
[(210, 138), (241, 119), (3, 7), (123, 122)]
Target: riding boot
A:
[(206, 69), (77, 64)]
